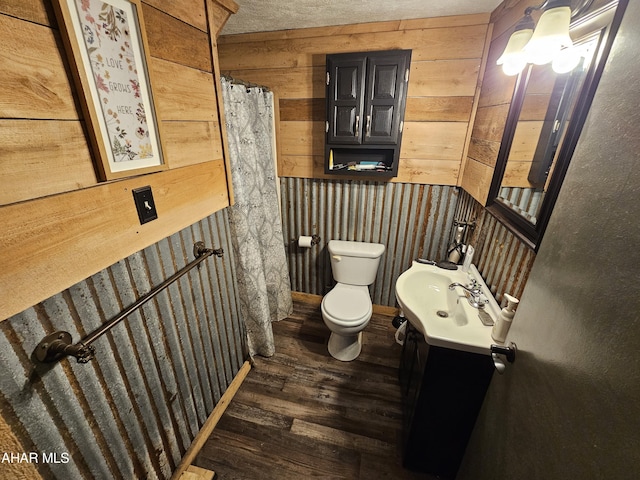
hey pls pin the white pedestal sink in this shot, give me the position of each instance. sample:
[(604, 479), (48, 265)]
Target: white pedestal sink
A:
[(444, 316)]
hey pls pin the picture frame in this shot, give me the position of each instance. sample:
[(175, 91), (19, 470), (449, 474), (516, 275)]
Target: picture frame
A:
[(107, 47)]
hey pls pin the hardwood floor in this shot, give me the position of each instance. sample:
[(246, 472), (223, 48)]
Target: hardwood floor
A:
[(302, 414)]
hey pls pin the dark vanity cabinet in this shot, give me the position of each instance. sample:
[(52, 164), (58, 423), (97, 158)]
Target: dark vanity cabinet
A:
[(366, 96), (443, 390)]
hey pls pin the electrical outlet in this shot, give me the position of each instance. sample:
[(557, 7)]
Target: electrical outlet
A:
[(144, 204)]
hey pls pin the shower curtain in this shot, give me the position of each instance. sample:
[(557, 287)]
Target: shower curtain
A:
[(256, 226)]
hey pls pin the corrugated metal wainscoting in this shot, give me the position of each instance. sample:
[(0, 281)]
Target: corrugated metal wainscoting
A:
[(133, 410), (502, 259), (411, 220)]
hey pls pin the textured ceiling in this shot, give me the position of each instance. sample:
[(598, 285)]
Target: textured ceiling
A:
[(269, 15)]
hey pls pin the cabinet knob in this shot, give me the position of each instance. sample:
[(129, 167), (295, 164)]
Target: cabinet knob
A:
[(368, 125), (357, 126)]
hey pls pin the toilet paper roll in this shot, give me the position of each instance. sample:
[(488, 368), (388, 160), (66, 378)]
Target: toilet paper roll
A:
[(305, 241)]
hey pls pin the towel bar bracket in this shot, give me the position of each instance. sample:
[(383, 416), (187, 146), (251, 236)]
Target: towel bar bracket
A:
[(57, 345), (199, 249)]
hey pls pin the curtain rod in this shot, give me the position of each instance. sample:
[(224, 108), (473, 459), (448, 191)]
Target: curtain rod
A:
[(244, 83)]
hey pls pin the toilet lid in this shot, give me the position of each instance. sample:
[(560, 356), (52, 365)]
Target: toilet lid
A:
[(347, 302)]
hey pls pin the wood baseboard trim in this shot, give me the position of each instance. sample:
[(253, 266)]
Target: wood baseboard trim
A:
[(197, 473), (307, 298), (315, 300), (385, 310), (211, 422)]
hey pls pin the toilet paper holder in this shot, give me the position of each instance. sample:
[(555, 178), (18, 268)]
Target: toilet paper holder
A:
[(315, 239)]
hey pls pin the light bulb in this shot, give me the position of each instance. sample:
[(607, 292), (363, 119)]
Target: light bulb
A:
[(513, 60), (514, 65), (550, 36), (566, 60)]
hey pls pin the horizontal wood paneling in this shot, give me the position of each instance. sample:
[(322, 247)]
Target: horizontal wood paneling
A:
[(483, 151), (302, 166), (51, 243), (438, 109), (490, 122), (47, 164), (515, 175), (302, 109), (176, 41), (477, 178), (428, 171), (497, 88), (448, 21), (185, 93), (189, 143), (444, 78), (192, 13), (447, 56), (494, 102), (37, 11), (447, 43), (301, 138), (534, 107), (428, 44), (34, 82), (493, 106), (433, 140), (487, 134), (299, 83), (357, 28), (525, 140), (28, 149)]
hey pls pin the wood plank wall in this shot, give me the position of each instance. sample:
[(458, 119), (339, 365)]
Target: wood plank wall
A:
[(60, 225), (446, 65), (493, 107)]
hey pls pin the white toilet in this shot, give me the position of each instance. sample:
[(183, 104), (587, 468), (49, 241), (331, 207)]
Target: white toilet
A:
[(347, 309)]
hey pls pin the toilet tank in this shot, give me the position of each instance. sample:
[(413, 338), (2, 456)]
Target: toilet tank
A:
[(355, 263)]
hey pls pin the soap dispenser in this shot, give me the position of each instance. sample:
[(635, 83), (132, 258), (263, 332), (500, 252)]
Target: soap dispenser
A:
[(501, 327)]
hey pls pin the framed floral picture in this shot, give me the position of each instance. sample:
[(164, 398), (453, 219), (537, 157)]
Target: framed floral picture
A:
[(106, 43)]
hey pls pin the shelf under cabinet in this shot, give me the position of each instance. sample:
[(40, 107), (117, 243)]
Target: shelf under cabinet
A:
[(343, 160)]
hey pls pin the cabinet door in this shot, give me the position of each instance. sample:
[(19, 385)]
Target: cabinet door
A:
[(345, 97), (387, 79)]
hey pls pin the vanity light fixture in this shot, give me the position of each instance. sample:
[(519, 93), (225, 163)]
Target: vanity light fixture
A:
[(549, 42), (514, 59)]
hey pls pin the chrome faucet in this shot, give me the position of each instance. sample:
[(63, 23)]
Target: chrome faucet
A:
[(472, 292)]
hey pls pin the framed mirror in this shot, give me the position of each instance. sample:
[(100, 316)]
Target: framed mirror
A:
[(544, 122)]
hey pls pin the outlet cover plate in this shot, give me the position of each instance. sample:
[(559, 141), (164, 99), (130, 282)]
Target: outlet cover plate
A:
[(145, 205)]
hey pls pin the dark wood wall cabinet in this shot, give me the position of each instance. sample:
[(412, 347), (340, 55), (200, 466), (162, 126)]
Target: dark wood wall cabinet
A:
[(443, 390), (366, 96)]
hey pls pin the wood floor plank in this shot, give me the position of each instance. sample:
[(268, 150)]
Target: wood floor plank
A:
[(340, 438), (303, 414)]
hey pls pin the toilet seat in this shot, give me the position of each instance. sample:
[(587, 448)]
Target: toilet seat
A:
[(347, 305)]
